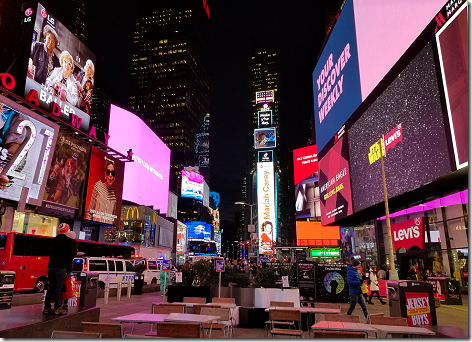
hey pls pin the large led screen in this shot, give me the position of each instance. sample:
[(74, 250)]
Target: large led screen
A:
[(305, 170), (266, 208), (312, 233), (453, 46), (147, 177), (409, 116), (61, 69), (181, 243), (264, 138), (192, 185), (26, 147), (335, 184), (198, 230), (66, 178), (104, 188)]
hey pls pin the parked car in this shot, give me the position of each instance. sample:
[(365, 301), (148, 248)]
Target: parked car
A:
[(151, 273)]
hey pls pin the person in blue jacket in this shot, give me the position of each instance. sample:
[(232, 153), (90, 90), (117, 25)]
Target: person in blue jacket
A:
[(355, 293)]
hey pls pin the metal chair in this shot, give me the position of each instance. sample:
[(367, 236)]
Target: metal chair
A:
[(342, 318), (178, 329), (74, 334), (108, 330), (225, 316), (285, 315)]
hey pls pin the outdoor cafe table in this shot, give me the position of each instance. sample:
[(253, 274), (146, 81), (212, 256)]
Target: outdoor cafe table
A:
[(344, 326), (396, 329), (141, 317)]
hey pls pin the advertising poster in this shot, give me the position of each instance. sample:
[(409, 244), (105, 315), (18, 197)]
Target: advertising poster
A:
[(66, 178), (192, 185), (104, 188), (418, 308), (414, 127), (335, 183), (26, 147), (453, 46), (307, 192), (306, 280), (60, 69), (331, 283), (264, 138), (267, 224)]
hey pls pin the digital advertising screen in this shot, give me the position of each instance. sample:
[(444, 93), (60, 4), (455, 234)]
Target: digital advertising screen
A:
[(307, 192), (264, 118), (214, 199), (348, 244), (264, 138), (331, 283), (27, 143), (453, 46), (203, 143), (172, 206), (267, 215), (104, 188), (312, 233), (181, 243), (409, 117), (60, 69), (66, 179), (146, 179), (335, 183), (198, 230), (192, 185), (206, 194), (264, 96)]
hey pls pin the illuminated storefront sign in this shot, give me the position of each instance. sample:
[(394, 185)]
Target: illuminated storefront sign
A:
[(266, 207), (134, 210), (333, 253)]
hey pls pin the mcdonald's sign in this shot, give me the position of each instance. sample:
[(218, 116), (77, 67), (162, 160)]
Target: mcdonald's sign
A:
[(132, 213)]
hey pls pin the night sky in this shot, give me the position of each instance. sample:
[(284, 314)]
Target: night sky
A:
[(234, 28)]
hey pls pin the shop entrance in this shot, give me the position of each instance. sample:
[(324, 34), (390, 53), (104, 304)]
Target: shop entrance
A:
[(406, 259)]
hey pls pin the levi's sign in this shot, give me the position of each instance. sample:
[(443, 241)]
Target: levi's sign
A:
[(408, 234)]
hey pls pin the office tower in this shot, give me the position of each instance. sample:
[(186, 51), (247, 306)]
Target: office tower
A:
[(72, 13), (100, 114), (203, 149), (169, 82)]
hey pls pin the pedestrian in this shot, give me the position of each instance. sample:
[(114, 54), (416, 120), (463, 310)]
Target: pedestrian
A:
[(355, 293), (74, 248), (59, 259), (164, 277), (235, 267), (382, 274), (363, 279), (374, 286)]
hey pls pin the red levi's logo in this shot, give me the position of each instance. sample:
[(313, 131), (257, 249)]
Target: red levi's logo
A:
[(408, 234), (393, 137)]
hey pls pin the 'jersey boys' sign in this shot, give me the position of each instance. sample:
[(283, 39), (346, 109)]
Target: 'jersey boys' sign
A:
[(408, 234)]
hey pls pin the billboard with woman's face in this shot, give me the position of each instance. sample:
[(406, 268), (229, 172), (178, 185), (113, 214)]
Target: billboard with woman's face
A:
[(60, 68), (104, 188)]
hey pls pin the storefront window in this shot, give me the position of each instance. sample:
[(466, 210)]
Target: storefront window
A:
[(364, 240), (30, 223)]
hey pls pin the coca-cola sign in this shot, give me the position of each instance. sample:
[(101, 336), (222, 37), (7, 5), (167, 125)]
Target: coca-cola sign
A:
[(408, 234)]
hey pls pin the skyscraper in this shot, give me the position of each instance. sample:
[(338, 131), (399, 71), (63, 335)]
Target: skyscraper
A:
[(169, 82)]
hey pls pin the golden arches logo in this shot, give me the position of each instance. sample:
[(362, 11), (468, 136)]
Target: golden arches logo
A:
[(132, 212)]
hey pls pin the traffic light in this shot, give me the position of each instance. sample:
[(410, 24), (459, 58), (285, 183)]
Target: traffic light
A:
[(247, 242)]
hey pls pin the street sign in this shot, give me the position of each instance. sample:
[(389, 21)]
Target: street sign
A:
[(251, 228), (220, 265), (165, 265), (253, 236)]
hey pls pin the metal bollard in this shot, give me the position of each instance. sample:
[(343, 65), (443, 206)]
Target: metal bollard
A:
[(129, 289), (118, 290), (106, 293)]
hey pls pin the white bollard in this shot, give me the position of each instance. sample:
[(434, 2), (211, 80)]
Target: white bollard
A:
[(106, 293), (129, 288), (118, 290)]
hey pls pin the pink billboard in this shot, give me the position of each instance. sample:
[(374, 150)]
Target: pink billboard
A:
[(146, 179)]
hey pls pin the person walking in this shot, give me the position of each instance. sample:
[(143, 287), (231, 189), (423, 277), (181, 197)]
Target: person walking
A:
[(59, 261), (374, 286), (74, 248), (355, 293)]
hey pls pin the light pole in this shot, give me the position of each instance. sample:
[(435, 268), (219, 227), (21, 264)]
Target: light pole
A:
[(250, 206)]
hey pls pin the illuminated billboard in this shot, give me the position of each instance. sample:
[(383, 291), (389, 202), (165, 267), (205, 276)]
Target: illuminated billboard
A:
[(267, 216), (66, 178), (214, 199), (203, 143), (264, 118), (198, 230), (206, 194), (104, 188), (264, 138), (172, 206), (27, 143), (60, 69), (181, 243), (192, 185), (312, 233), (358, 55), (264, 96), (146, 179), (307, 192)]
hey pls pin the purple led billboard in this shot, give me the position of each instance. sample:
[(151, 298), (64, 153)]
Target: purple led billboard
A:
[(146, 179)]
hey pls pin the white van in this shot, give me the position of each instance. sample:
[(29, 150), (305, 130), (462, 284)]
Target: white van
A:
[(111, 270), (151, 273)]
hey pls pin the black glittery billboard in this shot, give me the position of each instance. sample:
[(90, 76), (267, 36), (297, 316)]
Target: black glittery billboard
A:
[(331, 283)]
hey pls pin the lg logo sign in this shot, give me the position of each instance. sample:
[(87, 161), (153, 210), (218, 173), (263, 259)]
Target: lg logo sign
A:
[(408, 234)]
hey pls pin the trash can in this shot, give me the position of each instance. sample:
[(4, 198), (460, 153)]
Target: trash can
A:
[(88, 288), (7, 284), (138, 284), (412, 299)]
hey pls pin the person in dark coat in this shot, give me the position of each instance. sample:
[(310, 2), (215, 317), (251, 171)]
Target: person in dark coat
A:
[(355, 292), (74, 248)]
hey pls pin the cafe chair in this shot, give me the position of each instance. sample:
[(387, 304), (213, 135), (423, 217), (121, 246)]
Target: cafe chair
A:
[(339, 334), (285, 315), (178, 329), (342, 318), (223, 300), (380, 320), (328, 305), (108, 330), (74, 334), (224, 323), (282, 304), (137, 336), (279, 304), (198, 307), (167, 309), (195, 300)]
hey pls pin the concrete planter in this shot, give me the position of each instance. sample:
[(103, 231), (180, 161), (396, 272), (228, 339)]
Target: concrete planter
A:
[(244, 296), (263, 296), (225, 292)]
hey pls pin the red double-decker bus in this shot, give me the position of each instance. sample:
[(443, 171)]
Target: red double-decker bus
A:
[(28, 256)]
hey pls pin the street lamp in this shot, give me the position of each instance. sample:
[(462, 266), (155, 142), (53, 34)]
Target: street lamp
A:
[(250, 206)]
